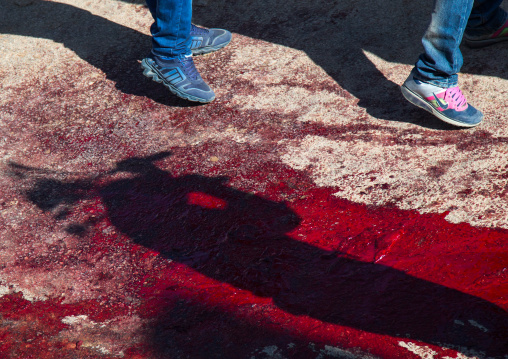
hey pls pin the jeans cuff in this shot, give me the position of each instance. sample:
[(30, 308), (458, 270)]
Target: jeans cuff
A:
[(445, 82)]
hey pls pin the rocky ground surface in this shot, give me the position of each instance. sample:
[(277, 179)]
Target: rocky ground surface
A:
[(309, 212)]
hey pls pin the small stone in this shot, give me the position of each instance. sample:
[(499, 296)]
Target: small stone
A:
[(47, 152), (214, 158)]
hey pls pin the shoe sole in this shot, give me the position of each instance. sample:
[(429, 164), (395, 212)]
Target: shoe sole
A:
[(208, 49), (419, 101), (482, 43), (151, 72)]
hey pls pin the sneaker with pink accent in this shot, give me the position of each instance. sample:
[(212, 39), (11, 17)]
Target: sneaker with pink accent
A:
[(485, 40), (447, 104)]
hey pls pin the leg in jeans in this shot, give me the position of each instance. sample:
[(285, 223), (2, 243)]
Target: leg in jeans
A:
[(433, 83), (487, 25), (171, 28), (442, 59), (486, 17), (171, 61)]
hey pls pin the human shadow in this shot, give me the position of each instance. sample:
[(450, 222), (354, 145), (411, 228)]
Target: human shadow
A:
[(241, 239), (194, 330)]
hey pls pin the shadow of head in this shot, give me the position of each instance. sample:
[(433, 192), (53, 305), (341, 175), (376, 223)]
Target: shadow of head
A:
[(141, 165)]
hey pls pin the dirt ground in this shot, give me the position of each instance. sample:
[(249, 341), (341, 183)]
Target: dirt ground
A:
[(308, 212)]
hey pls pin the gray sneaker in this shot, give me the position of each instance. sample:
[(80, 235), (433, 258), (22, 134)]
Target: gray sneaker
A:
[(447, 104), (180, 76), (205, 41)]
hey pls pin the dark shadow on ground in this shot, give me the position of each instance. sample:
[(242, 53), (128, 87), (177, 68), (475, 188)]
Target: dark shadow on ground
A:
[(240, 239), (333, 34), (190, 330)]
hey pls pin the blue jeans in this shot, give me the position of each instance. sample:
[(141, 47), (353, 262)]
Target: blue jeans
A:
[(442, 59), (171, 28)]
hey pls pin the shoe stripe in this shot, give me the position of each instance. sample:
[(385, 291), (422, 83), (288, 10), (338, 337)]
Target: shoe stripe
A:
[(438, 102), (441, 103), (172, 75), (503, 31), (435, 104), (168, 72)]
